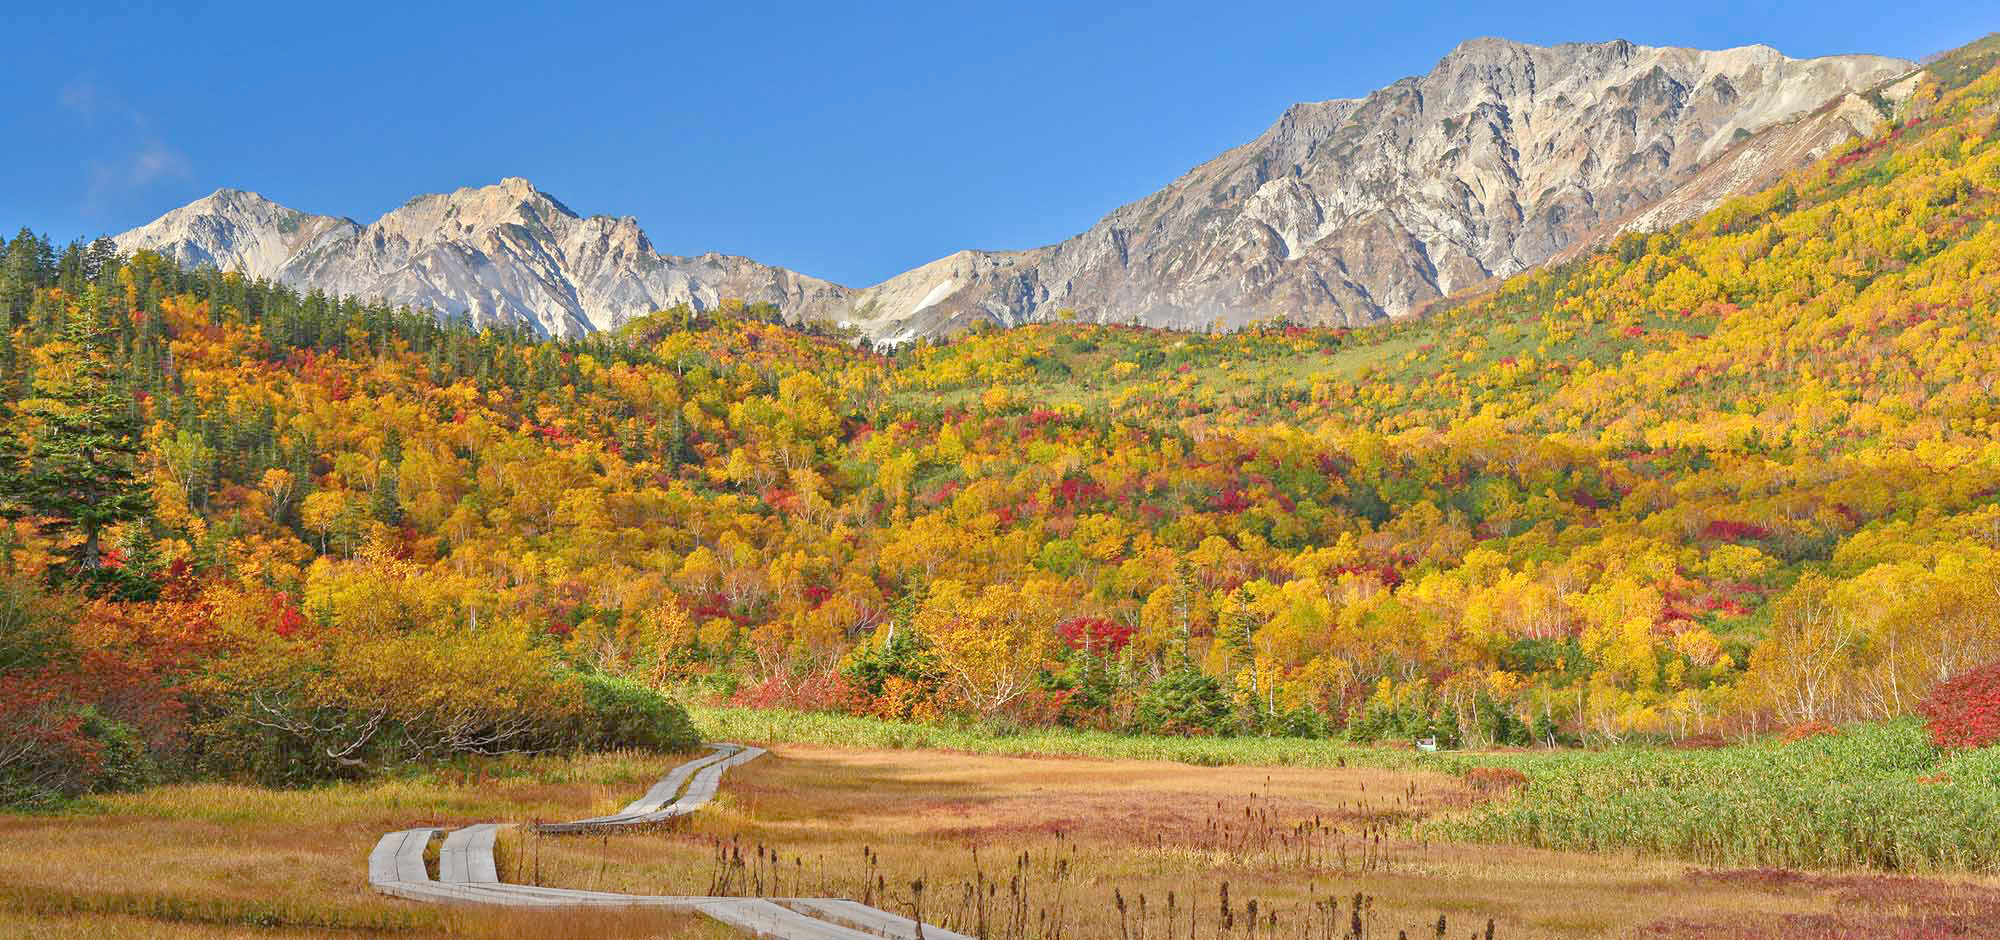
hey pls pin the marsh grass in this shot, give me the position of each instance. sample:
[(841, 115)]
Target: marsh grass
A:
[(1011, 847), (776, 725), (41, 913), (210, 860), (1869, 796), (1046, 877), (1014, 848)]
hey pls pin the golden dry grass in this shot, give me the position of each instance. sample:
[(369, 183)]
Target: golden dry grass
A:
[(213, 861), (1137, 829)]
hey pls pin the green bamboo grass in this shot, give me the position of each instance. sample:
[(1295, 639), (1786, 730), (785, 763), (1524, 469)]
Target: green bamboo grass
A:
[(1871, 797)]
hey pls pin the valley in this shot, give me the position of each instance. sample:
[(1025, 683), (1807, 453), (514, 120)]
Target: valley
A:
[(1553, 496)]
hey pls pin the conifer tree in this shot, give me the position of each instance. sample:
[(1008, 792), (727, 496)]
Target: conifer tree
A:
[(71, 464), (386, 506)]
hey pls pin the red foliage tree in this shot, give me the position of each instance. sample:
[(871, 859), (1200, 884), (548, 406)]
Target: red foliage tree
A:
[(43, 747), (815, 691), (1096, 634), (1730, 530), (1964, 711)]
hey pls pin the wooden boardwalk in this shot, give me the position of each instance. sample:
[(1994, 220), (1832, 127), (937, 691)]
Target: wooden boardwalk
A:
[(466, 873)]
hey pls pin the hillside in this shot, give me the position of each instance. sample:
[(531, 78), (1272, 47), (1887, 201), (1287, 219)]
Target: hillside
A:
[(1738, 474), (1343, 213)]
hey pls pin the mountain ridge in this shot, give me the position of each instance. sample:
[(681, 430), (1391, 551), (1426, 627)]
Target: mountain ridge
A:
[(1344, 211)]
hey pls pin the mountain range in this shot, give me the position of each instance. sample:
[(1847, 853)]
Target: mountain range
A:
[(1345, 212)]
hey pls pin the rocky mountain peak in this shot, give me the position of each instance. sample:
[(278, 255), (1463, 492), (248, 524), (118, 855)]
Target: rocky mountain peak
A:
[(239, 230), (1353, 210), (1345, 211), (474, 209), (1486, 50), (227, 198), (504, 253)]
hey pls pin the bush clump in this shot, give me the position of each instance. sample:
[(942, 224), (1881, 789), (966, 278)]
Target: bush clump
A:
[(70, 717), (622, 713), (1186, 702), (1964, 711)]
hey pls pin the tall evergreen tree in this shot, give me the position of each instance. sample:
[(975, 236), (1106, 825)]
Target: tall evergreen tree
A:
[(100, 260), (387, 506), (22, 268), (72, 463)]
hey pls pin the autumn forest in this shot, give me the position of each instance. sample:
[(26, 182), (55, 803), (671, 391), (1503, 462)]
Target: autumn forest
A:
[(1735, 478)]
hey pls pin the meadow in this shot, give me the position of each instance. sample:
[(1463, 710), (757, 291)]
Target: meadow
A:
[(1868, 796), (1094, 848), (1874, 796), (207, 861), (1050, 834)]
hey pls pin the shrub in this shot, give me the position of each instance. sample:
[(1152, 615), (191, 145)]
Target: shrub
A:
[(1186, 701), (1300, 722), (1705, 741), (623, 713), (34, 629), (1546, 732), (1495, 781), (124, 762), (1808, 729), (1443, 728), (815, 691), (1964, 711), (45, 753), (1367, 724), (347, 711), (69, 705), (1497, 725), (904, 655)]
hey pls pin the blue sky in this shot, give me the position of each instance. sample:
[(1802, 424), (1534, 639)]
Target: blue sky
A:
[(849, 141)]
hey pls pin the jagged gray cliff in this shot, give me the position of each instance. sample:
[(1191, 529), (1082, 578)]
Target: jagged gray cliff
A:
[(1345, 212), (506, 253)]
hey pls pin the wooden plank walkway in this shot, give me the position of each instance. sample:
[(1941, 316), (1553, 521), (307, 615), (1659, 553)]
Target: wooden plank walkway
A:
[(467, 873)]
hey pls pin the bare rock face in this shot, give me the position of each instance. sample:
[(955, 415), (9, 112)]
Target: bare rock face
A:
[(1503, 156), (238, 231), (1344, 212), (502, 254), (1760, 160)]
